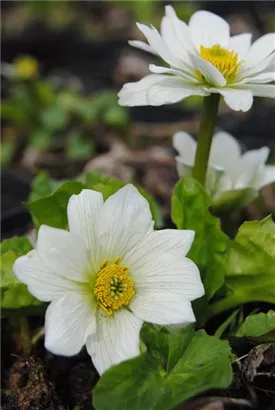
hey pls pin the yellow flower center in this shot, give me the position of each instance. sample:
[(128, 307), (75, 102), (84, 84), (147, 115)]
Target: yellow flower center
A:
[(113, 287), (26, 67), (224, 60)]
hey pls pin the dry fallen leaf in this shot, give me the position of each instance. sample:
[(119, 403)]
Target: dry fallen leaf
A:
[(214, 403), (261, 355)]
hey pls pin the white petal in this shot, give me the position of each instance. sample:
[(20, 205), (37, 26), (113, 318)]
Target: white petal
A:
[(261, 49), (180, 277), (225, 151), (213, 76), (176, 33), (208, 29), (116, 339), (240, 44), (158, 44), (255, 156), (261, 90), (162, 307), (8, 70), (142, 46), (165, 70), (182, 167), (248, 179), (224, 184), (44, 284), (216, 178), (264, 65), (271, 66), (237, 99), (124, 221), (133, 94), (250, 165), (186, 146), (63, 253), (68, 323), (267, 176), (153, 268), (172, 90), (172, 241), (262, 78), (83, 211), (168, 34)]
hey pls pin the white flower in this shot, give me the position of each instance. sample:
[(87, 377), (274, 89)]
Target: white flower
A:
[(24, 67), (229, 169), (107, 275), (8, 70), (203, 59)]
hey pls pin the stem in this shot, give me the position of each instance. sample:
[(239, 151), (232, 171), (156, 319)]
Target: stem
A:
[(21, 333), (40, 333), (227, 303), (207, 126)]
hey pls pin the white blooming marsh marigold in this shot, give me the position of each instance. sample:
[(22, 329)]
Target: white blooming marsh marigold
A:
[(203, 59), (228, 169), (108, 274)]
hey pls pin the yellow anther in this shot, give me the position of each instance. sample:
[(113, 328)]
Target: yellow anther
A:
[(113, 287), (224, 60)]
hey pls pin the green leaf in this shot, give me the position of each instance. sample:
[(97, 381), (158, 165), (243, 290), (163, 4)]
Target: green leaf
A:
[(41, 139), (52, 209), (7, 152), (42, 185), (166, 343), (13, 111), (87, 111), (82, 107), (259, 325), (149, 382), (234, 200), (190, 205), (116, 117), (91, 178), (14, 294), (18, 244), (79, 147), (107, 109), (108, 186), (253, 250), (104, 100), (25, 107), (250, 274), (224, 325), (7, 276), (54, 117), (45, 92)]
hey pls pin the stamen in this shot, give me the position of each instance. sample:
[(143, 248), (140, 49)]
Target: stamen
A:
[(224, 60), (114, 287)]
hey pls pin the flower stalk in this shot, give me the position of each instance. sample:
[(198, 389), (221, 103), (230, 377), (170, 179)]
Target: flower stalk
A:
[(21, 333), (206, 131)]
